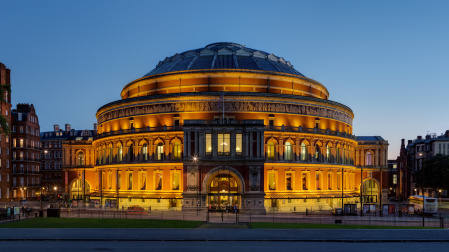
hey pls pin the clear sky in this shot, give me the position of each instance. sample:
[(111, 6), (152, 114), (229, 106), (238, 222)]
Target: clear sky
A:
[(386, 60)]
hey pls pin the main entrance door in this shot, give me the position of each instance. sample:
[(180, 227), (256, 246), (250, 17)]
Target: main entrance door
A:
[(223, 193)]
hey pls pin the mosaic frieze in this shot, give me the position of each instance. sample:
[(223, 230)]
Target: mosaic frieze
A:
[(215, 106)]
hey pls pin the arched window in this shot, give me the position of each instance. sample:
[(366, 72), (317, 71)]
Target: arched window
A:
[(120, 153), (111, 154), (303, 152), (288, 151), (144, 152), (104, 155), (160, 152), (131, 152), (177, 151), (99, 156), (328, 153), (270, 150), (80, 158), (317, 153), (369, 158), (338, 155)]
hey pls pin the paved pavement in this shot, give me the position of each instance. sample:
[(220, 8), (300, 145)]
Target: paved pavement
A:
[(304, 235)]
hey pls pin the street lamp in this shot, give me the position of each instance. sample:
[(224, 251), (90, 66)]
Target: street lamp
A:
[(25, 193), (439, 193), (195, 159)]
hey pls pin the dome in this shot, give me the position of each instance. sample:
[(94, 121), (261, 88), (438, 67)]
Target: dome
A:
[(224, 55)]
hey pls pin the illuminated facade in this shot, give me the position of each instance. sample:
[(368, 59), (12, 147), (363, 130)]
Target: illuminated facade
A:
[(227, 125)]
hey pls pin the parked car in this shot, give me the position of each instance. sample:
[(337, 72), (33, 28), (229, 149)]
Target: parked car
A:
[(337, 211)]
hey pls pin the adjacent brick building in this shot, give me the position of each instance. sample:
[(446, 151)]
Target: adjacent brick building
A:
[(5, 145), (26, 177)]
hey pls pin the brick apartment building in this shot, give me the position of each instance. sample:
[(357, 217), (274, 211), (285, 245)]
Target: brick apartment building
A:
[(5, 145), (25, 153)]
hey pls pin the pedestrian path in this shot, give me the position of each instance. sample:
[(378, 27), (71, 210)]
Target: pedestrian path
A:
[(224, 226)]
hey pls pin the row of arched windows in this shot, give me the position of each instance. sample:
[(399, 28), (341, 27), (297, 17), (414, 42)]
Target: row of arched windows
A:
[(106, 153), (342, 155)]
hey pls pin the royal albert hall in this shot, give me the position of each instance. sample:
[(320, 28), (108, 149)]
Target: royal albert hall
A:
[(222, 126)]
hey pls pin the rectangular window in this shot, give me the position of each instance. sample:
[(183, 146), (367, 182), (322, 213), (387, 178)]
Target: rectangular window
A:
[(395, 179), (158, 181), (339, 181), (329, 181), (119, 180), (208, 144), (110, 180), (288, 181), (21, 143), (304, 181), (224, 144), (272, 181), (175, 185), (143, 181), (318, 185), (21, 129), (238, 144), (130, 181)]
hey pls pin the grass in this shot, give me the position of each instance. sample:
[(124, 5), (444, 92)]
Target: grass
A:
[(265, 225), (99, 223)]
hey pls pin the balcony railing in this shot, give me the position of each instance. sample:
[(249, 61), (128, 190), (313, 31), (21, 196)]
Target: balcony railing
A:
[(138, 130)]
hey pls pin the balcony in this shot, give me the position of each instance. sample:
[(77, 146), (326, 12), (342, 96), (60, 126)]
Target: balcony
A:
[(138, 130)]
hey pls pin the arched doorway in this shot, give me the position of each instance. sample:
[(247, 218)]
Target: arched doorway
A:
[(370, 191), (224, 189), (77, 191)]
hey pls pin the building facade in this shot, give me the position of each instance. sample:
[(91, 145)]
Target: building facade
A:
[(54, 180), (413, 156), (26, 177), (222, 126), (5, 145)]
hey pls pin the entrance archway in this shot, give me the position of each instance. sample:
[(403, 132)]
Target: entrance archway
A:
[(224, 187), (370, 191), (77, 191)]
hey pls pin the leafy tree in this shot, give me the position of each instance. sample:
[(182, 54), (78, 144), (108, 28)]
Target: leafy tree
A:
[(435, 172)]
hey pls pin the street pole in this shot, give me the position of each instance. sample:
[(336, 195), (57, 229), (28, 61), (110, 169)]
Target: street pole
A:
[(342, 187), (361, 190), (381, 189)]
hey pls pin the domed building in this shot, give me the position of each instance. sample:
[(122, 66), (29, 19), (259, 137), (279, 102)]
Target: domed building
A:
[(226, 125)]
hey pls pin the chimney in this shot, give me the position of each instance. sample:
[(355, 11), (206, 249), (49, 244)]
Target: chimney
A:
[(427, 136), (95, 126), (409, 141), (56, 127), (419, 137), (67, 127)]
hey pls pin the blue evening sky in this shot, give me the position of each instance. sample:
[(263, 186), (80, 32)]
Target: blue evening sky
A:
[(386, 60)]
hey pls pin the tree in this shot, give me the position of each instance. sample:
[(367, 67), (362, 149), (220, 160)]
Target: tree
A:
[(436, 173)]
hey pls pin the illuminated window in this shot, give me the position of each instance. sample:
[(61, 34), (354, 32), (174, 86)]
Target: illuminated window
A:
[(224, 144), (177, 151), (317, 153), (304, 181), (145, 152), (130, 180), (208, 144), (288, 155), (80, 158), (369, 159), (143, 181), (111, 153), (303, 152), (158, 181), (328, 153), (120, 153), (288, 181), (175, 181), (271, 181), (338, 155), (160, 152), (21, 143), (104, 154), (270, 150), (14, 144), (395, 179), (238, 144)]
